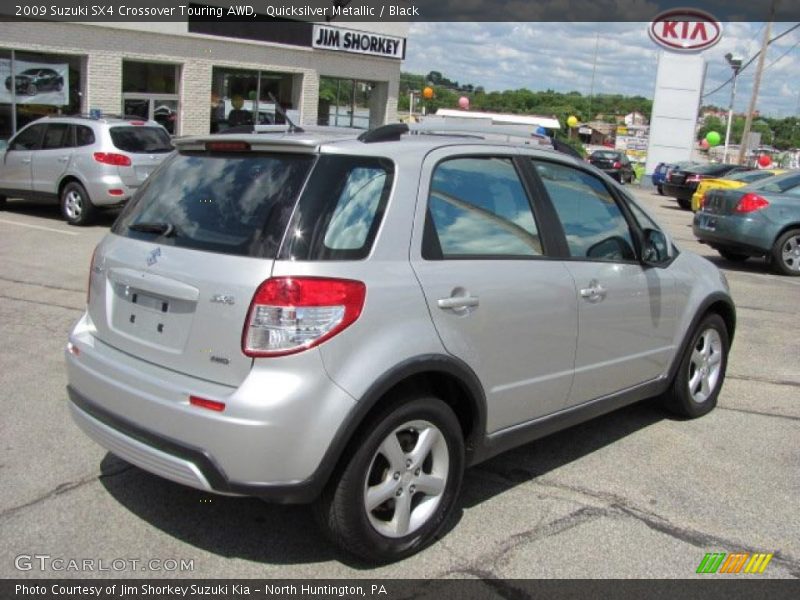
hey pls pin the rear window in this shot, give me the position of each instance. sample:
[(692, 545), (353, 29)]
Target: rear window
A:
[(605, 155), (141, 140), (226, 203), (341, 209)]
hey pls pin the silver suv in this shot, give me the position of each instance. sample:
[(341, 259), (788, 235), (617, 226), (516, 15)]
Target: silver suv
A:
[(314, 317), (83, 163)]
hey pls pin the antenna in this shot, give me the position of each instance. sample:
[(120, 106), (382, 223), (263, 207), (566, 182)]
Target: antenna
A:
[(279, 109)]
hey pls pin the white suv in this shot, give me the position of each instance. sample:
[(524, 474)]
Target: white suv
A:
[(84, 163), (312, 316)]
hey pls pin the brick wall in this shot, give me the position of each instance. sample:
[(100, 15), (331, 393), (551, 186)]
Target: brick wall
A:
[(106, 48)]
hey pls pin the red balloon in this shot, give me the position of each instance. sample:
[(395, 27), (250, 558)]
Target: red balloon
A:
[(764, 161), (704, 144)]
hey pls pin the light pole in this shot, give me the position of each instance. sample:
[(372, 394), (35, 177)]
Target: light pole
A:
[(736, 65)]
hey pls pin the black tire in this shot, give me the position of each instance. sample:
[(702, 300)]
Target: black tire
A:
[(785, 253), (710, 339), (31, 89), (733, 256), (2, 202), (342, 510), (660, 190), (685, 204), (76, 206)]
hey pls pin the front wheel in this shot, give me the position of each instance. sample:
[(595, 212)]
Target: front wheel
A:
[(76, 207), (786, 253), (696, 386), (400, 484)]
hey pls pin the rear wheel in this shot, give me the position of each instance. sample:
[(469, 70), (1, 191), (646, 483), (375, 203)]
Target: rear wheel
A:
[(786, 253), (398, 488), (733, 256), (76, 207), (685, 204), (2, 202), (695, 388), (31, 89)]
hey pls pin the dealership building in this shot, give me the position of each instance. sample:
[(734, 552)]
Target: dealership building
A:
[(203, 75)]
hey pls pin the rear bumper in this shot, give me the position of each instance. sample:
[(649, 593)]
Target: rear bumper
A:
[(98, 190), (746, 235), (271, 440), (681, 192)]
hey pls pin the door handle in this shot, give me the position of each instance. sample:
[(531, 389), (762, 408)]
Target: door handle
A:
[(63, 158), (595, 292), (458, 302), (26, 161)]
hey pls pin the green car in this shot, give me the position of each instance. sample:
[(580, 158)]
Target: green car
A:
[(761, 219)]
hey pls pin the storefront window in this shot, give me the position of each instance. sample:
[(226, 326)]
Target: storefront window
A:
[(244, 97), (150, 91), (44, 84), (344, 102)]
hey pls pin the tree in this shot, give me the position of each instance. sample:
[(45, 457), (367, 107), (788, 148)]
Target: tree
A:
[(711, 123)]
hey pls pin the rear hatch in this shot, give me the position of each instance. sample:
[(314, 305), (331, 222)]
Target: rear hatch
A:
[(146, 146), (173, 282), (603, 161)]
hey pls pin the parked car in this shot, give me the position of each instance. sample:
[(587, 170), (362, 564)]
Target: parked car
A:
[(615, 164), (761, 219), (32, 81), (312, 316), (663, 170), (83, 163), (682, 182), (732, 181)]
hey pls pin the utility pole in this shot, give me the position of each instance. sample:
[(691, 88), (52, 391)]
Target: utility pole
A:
[(748, 122), (594, 69)]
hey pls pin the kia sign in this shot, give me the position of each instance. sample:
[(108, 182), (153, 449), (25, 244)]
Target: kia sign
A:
[(685, 30)]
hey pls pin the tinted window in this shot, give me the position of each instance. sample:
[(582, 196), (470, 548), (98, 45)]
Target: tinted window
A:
[(341, 209), (606, 155), (56, 136), (477, 207), (141, 140), (780, 184), (593, 223), (30, 139), (231, 204), (749, 176), (84, 136)]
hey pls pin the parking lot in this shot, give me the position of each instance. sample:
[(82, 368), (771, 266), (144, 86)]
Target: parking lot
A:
[(636, 493)]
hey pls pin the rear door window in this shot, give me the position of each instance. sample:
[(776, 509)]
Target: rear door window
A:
[(341, 209), (56, 136), (141, 140), (226, 203)]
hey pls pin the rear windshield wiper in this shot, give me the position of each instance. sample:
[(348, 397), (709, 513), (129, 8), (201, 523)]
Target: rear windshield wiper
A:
[(162, 229)]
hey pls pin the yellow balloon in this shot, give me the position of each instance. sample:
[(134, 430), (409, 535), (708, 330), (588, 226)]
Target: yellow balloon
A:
[(427, 93), (572, 121)]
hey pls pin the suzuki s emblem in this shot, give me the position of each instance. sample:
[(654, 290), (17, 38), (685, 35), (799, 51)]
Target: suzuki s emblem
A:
[(152, 258)]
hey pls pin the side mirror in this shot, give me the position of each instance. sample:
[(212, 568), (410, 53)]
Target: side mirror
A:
[(656, 249)]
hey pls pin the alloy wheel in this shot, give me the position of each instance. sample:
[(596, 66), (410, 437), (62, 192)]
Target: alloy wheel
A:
[(705, 365)]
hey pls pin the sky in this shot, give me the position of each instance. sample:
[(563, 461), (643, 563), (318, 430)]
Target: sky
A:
[(560, 56)]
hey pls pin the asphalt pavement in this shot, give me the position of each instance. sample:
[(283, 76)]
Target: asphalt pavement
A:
[(634, 494)]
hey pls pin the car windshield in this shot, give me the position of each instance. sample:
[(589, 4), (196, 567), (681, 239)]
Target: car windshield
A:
[(225, 203), (141, 140), (777, 184), (750, 176)]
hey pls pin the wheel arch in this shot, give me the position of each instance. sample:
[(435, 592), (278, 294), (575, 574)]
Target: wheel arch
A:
[(445, 377), (66, 180)]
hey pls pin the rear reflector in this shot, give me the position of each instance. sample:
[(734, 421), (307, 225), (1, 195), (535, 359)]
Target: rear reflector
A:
[(206, 403), (116, 192), (751, 202), (292, 314), (112, 158), (227, 146), (73, 349)]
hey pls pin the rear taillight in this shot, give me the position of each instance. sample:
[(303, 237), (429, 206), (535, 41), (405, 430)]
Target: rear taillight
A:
[(616, 165), (91, 276), (702, 201), (291, 314), (751, 202), (693, 178), (112, 158)]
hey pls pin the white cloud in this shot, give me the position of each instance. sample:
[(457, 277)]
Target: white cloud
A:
[(560, 56)]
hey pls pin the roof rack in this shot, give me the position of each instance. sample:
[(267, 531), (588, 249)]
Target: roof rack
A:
[(394, 131)]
